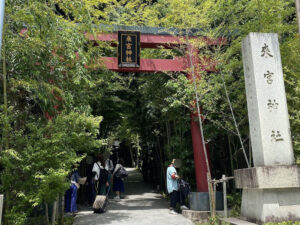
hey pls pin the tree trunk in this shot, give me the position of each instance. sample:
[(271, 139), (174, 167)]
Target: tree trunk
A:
[(46, 214), (131, 156), (250, 151), (159, 163), (54, 212), (230, 155), (137, 157), (162, 163), (6, 207), (168, 135), (235, 123), (235, 153), (62, 207)]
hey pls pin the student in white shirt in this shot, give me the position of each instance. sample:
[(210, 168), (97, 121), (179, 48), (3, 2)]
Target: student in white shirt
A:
[(109, 166), (100, 184)]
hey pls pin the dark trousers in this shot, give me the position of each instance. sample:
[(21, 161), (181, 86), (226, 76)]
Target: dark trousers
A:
[(174, 198), (182, 198), (91, 191), (70, 199)]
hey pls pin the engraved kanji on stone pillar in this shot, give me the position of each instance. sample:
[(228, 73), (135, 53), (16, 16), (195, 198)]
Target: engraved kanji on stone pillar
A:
[(266, 100)]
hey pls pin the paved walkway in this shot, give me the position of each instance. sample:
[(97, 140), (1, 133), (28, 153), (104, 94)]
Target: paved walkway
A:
[(141, 206)]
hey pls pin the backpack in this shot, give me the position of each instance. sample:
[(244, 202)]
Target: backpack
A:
[(103, 175), (121, 173), (184, 187)]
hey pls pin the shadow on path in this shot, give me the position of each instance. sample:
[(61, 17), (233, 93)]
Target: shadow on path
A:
[(141, 206)]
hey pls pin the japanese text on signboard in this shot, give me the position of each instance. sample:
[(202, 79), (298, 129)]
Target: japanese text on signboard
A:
[(129, 49)]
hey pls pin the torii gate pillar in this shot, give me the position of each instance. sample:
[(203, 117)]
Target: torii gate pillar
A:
[(199, 155)]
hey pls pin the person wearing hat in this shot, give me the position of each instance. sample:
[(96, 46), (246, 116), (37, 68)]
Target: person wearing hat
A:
[(173, 188)]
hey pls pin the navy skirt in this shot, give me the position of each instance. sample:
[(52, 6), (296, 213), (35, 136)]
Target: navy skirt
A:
[(118, 184)]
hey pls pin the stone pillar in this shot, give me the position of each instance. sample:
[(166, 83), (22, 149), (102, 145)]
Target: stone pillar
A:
[(269, 187)]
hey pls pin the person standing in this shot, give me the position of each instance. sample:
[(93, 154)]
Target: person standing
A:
[(100, 176), (91, 191), (173, 188), (118, 184), (71, 194), (109, 166)]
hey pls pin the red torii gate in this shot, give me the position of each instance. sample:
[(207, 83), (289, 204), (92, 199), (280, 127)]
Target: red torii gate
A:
[(150, 39)]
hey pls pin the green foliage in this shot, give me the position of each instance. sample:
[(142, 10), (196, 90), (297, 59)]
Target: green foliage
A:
[(234, 203), (233, 20), (235, 23), (284, 223), (214, 221), (41, 221), (68, 221), (59, 92), (163, 113), (51, 127)]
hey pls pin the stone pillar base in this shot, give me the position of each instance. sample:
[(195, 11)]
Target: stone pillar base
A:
[(270, 194), (271, 205)]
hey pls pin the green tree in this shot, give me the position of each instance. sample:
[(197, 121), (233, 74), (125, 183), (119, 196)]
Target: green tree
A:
[(51, 127)]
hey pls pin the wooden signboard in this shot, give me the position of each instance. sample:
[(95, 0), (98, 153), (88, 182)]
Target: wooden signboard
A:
[(129, 49)]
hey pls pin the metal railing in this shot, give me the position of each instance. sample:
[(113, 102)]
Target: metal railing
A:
[(224, 181)]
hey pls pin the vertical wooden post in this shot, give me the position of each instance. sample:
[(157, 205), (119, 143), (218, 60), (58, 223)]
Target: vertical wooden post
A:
[(1, 207), (297, 3), (211, 195), (215, 196), (6, 124), (224, 195), (2, 11), (5, 131)]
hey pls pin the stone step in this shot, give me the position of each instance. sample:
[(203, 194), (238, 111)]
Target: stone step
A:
[(236, 221), (196, 215)]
